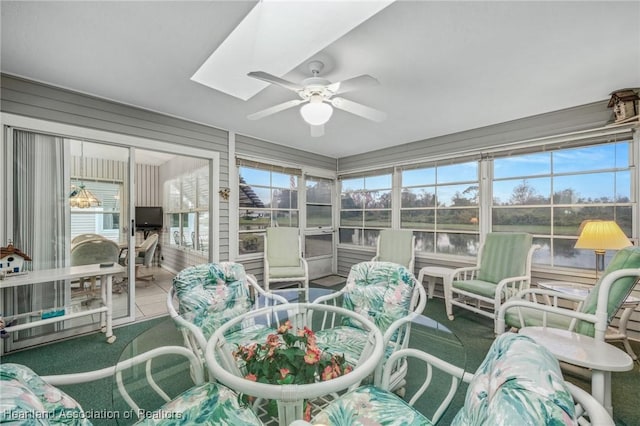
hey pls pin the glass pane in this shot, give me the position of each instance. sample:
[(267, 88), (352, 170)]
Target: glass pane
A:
[(285, 199), (250, 243), (203, 232), (356, 184), (370, 237), (174, 229), (522, 165), (173, 194), (285, 218), (281, 180), (351, 218), (532, 220), (419, 197), (188, 192), (586, 188), (377, 199), (623, 187), (352, 200), (458, 244), (458, 219), (253, 219), (417, 219), (377, 182), (202, 177), (319, 191), (188, 229), (566, 221), (623, 216), (254, 176), (457, 195), (254, 196), (318, 216), (458, 172), (424, 241), (377, 218), (349, 235), (588, 158), (542, 256), (318, 245), (415, 177), (522, 192)]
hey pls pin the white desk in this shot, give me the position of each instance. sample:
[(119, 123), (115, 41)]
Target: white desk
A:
[(68, 273), (435, 272), (584, 351), (613, 334)]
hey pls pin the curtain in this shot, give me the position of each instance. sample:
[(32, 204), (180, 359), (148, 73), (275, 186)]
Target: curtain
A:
[(39, 211)]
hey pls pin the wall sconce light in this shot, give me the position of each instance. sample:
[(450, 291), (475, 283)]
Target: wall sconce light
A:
[(224, 193)]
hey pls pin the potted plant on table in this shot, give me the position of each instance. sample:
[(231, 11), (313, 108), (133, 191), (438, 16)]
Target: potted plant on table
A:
[(289, 358)]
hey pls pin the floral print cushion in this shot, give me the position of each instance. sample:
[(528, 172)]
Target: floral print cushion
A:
[(380, 291), (366, 406), (347, 341), (211, 294), (208, 404), (518, 383), (29, 400)]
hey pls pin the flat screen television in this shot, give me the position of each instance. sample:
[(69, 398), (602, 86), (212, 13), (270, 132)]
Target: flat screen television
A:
[(148, 217)]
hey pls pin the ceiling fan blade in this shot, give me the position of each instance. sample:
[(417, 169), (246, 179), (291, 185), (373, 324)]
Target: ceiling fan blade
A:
[(260, 75), (358, 109), (317, 131), (355, 83), (274, 109)]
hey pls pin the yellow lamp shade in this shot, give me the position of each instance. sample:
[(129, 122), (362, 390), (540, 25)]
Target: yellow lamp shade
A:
[(602, 235)]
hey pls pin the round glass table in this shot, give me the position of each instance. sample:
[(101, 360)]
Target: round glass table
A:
[(169, 372)]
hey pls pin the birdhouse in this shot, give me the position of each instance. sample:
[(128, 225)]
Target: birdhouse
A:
[(625, 104), (12, 259)]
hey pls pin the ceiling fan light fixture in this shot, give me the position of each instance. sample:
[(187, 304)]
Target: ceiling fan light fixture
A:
[(316, 112)]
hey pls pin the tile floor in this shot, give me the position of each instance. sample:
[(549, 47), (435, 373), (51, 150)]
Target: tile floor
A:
[(151, 296)]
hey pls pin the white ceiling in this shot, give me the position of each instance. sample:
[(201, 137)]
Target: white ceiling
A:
[(444, 67)]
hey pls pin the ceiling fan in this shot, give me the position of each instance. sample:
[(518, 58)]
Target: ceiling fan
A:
[(317, 95)]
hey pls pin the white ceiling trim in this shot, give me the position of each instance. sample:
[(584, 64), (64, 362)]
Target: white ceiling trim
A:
[(277, 36)]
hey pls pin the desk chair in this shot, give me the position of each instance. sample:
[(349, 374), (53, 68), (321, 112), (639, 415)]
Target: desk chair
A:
[(93, 251), (144, 256)]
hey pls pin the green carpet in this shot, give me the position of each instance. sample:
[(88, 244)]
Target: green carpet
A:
[(90, 352)]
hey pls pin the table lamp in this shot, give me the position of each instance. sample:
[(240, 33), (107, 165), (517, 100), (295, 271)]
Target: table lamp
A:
[(601, 235)]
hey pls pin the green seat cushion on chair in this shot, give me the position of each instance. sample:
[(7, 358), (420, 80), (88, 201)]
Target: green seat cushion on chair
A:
[(368, 405), (483, 288), (286, 272), (504, 255), (396, 246), (282, 244), (535, 318), (208, 404), (627, 258)]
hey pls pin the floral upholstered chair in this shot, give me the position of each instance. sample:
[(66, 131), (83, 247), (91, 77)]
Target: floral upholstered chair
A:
[(518, 383), (209, 295), (24, 394), (387, 294)]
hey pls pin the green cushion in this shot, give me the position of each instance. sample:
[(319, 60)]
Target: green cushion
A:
[(534, 318), (504, 255), (286, 272), (283, 247), (396, 247), (626, 258), (482, 288)]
